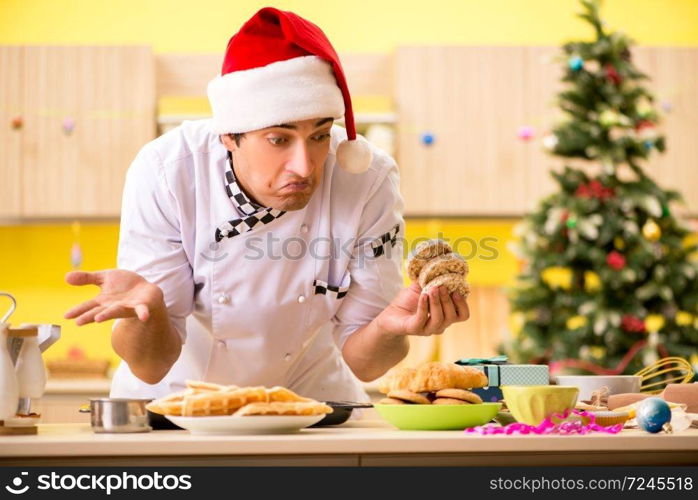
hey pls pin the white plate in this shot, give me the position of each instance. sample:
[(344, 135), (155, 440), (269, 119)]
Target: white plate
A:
[(253, 424)]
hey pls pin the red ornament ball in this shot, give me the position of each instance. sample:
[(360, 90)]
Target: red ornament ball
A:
[(632, 324), (612, 74), (615, 260)]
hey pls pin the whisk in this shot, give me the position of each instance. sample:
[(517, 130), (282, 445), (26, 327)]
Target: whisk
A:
[(672, 370)]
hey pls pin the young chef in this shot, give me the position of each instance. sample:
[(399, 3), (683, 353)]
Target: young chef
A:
[(263, 246)]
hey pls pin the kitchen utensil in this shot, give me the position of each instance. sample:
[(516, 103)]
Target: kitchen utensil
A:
[(587, 384), (531, 404), (674, 370), (11, 309), (31, 373), (9, 388), (24, 377), (118, 415), (341, 411), (160, 422), (437, 417), (686, 394)]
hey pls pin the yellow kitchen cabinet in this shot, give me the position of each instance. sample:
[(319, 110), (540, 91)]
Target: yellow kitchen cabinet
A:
[(86, 111)]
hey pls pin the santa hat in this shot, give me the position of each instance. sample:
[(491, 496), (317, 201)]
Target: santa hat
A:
[(281, 68)]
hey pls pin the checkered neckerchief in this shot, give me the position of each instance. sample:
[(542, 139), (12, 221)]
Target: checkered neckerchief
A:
[(254, 213)]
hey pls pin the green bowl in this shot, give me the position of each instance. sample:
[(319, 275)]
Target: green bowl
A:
[(531, 404), (437, 417)]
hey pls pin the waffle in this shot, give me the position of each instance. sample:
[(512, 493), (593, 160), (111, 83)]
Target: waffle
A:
[(207, 386), (206, 399), (283, 395), (285, 408)]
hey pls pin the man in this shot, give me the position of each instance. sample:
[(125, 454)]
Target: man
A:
[(262, 247)]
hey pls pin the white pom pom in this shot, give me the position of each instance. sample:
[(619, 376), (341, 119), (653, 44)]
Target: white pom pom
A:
[(354, 156)]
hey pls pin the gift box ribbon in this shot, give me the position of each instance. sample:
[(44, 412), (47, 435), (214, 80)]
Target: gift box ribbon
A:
[(497, 360)]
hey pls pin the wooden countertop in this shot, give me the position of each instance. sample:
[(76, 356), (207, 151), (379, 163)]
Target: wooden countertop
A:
[(361, 439)]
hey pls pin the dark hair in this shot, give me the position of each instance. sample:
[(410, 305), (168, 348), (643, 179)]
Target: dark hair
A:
[(237, 137)]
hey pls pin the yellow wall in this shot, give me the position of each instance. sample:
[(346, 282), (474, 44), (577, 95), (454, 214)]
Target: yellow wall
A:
[(360, 25), (35, 258)]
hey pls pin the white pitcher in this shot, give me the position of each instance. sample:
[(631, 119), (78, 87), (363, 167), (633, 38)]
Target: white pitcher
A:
[(9, 389), (31, 373)]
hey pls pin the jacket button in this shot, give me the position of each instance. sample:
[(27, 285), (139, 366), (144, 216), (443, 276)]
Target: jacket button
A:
[(287, 357), (223, 298), (304, 228), (301, 298), (221, 344)]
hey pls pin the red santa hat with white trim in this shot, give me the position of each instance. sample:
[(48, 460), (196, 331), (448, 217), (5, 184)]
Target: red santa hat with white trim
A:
[(281, 68)]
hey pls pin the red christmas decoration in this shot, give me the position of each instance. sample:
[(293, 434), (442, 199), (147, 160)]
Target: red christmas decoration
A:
[(632, 324), (645, 129), (612, 74), (615, 260), (583, 191), (637, 347), (594, 189), (642, 124)]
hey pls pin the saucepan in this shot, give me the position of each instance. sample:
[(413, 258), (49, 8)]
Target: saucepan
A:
[(118, 415)]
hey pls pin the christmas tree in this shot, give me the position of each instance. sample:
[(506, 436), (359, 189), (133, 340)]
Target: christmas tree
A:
[(608, 281)]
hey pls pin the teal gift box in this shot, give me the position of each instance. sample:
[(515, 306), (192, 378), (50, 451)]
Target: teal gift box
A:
[(499, 372)]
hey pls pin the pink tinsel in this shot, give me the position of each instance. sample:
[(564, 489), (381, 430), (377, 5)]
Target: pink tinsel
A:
[(549, 426)]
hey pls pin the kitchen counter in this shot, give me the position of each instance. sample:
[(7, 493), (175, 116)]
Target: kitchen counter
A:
[(358, 442), (89, 386)]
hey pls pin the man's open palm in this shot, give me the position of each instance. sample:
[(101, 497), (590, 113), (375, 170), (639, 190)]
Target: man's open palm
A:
[(124, 294)]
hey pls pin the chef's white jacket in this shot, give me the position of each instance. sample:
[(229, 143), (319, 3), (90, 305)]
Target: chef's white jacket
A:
[(251, 309)]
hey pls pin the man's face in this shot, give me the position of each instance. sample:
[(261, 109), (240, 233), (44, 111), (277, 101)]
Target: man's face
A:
[(281, 166)]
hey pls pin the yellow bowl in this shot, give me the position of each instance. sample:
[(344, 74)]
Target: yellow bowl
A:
[(531, 404)]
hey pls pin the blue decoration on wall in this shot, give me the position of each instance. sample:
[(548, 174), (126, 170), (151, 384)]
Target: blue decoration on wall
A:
[(576, 63)]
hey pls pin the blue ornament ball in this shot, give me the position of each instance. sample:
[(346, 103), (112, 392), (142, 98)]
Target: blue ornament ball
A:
[(652, 414), (427, 138), (576, 63)]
